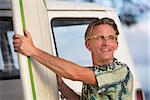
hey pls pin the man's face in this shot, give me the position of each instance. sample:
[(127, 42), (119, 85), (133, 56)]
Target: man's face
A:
[(103, 42)]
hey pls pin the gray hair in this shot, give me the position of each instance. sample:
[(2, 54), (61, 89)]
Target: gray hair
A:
[(104, 20)]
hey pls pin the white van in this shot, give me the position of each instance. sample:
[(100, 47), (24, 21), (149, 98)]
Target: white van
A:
[(58, 28)]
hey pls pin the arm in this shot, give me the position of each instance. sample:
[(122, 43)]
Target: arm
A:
[(24, 45), (68, 93)]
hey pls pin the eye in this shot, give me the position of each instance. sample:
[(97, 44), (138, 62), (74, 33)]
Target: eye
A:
[(100, 37), (111, 37)]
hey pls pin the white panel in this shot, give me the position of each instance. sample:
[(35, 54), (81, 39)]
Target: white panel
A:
[(37, 24), (24, 71)]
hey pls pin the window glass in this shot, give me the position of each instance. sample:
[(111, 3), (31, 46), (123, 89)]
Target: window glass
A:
[(70, 43), (1, 61), (69, 39), (14, 54), (9, 68)]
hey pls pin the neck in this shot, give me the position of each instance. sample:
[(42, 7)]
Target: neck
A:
[(101, 61)]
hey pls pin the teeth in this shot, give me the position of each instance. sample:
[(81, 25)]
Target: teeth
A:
[(105, 49)]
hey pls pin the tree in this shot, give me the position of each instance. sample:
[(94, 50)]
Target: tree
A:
[(131, 11)]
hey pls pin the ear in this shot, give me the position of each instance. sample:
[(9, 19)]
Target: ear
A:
[(117, 45), (87, 44)]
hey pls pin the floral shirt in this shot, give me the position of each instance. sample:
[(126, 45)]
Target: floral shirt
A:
[(114, 82)]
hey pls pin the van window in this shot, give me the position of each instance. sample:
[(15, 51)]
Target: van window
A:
[(68, 34), (69, 39), (8, 59)]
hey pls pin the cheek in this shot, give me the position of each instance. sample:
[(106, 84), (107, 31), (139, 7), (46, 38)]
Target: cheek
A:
[(95, 46), (116, 46)]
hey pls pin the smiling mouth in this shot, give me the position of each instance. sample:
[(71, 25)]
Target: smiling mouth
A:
[(105, 49)]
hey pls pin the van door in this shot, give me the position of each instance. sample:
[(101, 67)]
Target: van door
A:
[(68, 29)]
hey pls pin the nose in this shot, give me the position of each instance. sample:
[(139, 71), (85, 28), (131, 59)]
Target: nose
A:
[(105, 42)]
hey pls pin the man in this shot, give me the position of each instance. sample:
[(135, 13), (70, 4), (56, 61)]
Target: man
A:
[(107, 79)]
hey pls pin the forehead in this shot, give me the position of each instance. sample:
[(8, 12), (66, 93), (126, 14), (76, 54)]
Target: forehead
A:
[(103, 29)]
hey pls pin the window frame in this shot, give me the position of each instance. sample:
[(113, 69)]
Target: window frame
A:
[(13, 74)]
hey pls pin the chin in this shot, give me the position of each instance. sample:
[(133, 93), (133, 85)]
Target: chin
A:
[(107, 58)]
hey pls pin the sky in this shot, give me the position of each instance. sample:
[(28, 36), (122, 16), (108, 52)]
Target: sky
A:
[(138, 38)]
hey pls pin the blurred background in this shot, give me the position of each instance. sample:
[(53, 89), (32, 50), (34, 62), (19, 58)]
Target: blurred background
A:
[(135, 19)]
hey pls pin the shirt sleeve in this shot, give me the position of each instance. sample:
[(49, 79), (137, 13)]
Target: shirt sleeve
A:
[(111, 81), (129, 88), (110, 77)]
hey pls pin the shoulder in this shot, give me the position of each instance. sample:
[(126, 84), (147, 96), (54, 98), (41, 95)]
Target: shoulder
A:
[(125, 70), (119, 64)]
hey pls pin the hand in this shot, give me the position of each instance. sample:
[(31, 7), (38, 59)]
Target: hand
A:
[(23, 44), (66, 91), (59, 81)]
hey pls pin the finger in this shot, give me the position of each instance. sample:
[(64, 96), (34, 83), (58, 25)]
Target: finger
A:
[(17, 36), (16, 49), (27, 34), (15, 41), (17, 45)]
